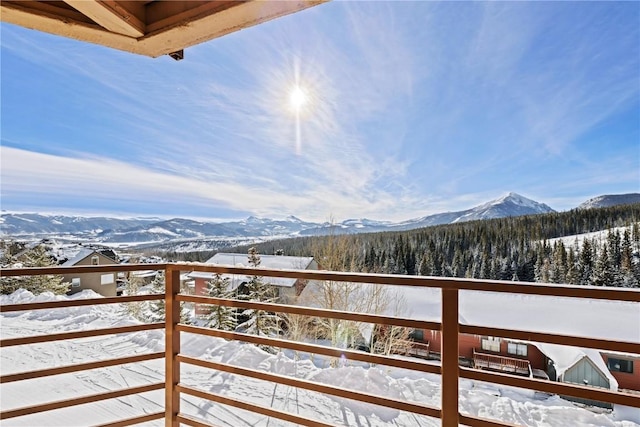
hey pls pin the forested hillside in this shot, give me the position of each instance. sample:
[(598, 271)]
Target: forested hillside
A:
[(514, 248)]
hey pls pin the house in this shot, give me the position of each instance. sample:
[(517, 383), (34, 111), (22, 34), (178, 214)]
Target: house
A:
[(287, 290), (102, 283), (585, 366), (624, 367)]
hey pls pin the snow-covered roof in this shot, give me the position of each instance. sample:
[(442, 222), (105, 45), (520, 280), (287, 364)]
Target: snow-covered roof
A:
[(144, 273), (565, 357), (266, 261), (82, 254), (611, 320)]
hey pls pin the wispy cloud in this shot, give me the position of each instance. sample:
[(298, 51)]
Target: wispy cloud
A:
[(416, 108)]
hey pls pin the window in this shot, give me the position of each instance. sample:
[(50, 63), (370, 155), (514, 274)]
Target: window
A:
[(75, 282), (417, 335), (620, 365), (95, 260), (106, 279), (516, 348), (491, 344)]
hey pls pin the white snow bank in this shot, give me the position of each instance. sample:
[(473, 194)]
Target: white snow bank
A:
[(612, 320), (486, 400)]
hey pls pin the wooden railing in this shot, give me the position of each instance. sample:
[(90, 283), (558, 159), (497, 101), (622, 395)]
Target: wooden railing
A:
[(449, 369), (501, 363), (418, 349)]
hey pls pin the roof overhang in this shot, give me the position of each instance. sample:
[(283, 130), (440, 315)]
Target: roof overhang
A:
[(150, 28)]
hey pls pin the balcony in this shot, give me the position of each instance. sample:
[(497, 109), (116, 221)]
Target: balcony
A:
[(176, 386), (494, 362)]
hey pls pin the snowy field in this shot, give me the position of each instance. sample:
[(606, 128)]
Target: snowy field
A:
[(491, 401)]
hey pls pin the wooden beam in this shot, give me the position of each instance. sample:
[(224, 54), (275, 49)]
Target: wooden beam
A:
[(111, 15), (19, 13), (214, 20), (170, 34)]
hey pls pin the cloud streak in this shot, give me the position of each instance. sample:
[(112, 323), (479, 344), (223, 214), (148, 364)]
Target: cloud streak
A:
[(416, 108)]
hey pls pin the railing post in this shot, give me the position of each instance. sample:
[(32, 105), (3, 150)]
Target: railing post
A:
[(172, 347), (450, 367)]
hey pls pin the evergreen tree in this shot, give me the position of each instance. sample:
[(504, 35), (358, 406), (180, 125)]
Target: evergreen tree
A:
[(35, 257), (259, 322), (602, 275), (573, 274), (628, 278), (585, 263), (156, 309), (220, 316)]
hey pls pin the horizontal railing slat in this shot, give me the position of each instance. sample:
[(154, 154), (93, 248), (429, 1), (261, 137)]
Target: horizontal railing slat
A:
[(315, 349), (543, 337), (314, 312), (484, 285), (79, 367), (134, 420), (192, 421), (79, 334), (6, 308), (562, 388), (315, 387), (270, 412), (470, 420), (27, 410), (105, 268)]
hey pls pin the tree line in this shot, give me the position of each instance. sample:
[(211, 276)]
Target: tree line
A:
[(525, 248)]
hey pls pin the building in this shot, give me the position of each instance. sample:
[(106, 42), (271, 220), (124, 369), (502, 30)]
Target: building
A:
[(287, 290), (102, 283), (615, 320)]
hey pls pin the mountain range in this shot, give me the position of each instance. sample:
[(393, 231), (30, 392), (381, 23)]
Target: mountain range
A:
[(156, 230)]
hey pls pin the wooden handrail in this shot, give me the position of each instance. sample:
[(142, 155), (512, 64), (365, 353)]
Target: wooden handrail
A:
[(483, 285), (247, 406), (314, 312), (78, 367), (450, 327), (28, 410), (45, 305), (135, 420), (9, 342), (360, 356)]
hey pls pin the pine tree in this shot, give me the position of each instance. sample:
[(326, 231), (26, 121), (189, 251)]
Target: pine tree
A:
[(585, 264), (602, 275), (157, 309), (628, 279), (220, 316), (259, 322), (35, 257), (573, 274)]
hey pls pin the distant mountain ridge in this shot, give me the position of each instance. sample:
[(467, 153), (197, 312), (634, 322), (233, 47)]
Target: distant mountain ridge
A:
[(152, 230), (608, 200)]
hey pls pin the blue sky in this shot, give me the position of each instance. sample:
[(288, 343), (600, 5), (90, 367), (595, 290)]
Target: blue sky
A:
[(411, 108)]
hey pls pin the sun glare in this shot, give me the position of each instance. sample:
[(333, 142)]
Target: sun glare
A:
[(297, 98)]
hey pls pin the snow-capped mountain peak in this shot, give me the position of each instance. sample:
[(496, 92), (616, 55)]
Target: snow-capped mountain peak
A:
[(155, 230), (512, 204)]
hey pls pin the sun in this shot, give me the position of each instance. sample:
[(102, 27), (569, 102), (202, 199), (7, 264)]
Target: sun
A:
[(297, 98)]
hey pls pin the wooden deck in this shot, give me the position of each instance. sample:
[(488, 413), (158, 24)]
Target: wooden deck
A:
[(418, 349), (496, 362)]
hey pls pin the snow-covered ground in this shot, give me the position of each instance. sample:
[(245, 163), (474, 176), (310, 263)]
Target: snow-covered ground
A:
[(599, 237), (486, 400)]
